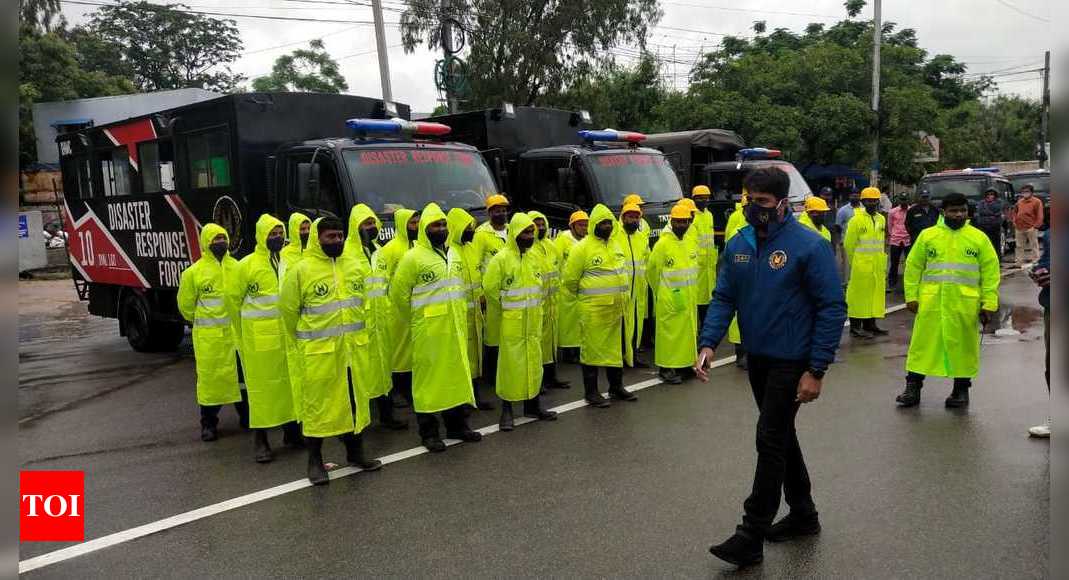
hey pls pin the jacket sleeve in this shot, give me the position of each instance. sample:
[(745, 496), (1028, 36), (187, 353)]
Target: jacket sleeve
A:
[(404, 278), (573, 269), (187, 293), (850, 241), (289, 301), (492, 289), (915, 265), (721, 308), (990, 276), (824, 286), (653, 269), (1038, 211)]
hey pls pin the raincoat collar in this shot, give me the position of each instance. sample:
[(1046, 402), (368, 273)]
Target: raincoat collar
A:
[(264, 225), (207, 234)]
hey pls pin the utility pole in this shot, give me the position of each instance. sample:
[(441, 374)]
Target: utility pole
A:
[(384, 62), (874, 175), (1044, 121), (449, 49)]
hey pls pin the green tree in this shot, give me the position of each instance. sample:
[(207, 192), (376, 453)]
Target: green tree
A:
[(305, 70), (624, 98), (162, 47), (521, 51), (40, 13)]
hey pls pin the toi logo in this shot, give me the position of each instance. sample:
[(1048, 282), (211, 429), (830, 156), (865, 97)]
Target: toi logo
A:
[(51, 506)]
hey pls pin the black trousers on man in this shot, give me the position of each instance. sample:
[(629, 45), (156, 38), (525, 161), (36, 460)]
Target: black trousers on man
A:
[(994, 233), (209, 414), (780, 465), (455, 420), (895, 258)]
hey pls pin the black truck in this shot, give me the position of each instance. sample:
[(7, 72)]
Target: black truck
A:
[(551, 161), (136, 192)]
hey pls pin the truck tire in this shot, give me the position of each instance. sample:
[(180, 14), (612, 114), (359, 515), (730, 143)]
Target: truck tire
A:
[(142, 332)]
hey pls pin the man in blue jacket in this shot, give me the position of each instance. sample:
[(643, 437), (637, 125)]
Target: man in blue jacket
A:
[(781, 279)]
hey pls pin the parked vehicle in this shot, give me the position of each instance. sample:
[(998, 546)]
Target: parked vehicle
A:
[(972, 183)]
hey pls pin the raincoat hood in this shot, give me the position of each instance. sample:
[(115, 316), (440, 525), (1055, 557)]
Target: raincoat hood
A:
[(359, 214), (294, 229), (428, 216), (400, 225), (599, 214), (535, 215), (458, 221), (314, 250), (264, 225), (207, 234), (520, 221)]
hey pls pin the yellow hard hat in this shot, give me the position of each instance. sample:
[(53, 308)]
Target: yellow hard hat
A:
[(631, 207), (496, 200), (633, 198), (745, 197), (870, 193), (688, 203), (578, 216), (700, 190), (681, 211), (814, 203)]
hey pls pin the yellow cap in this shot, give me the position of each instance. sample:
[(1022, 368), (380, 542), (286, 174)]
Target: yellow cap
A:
[(870, 193), (633, 198), (688, 203), (700, 190), (814, 203), (578, 216), (629, 207), (496, 200), (680, 211)]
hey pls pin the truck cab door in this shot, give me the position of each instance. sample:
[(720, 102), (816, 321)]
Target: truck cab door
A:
[(552, 188), (312, 186)]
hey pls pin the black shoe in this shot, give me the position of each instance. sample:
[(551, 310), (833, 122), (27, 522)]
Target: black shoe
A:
[(860, 333), (958, 398), (317, 474), (637, 363), (739, 550), (208, 434), (263, 447), (291, 436), (874, 330), (507, 422), (622, 394), (533, 409), (466, 435), (559, 385), (670, 376), (598, 400), (434, 444), (911, 397), (793, 527), (354, 454)]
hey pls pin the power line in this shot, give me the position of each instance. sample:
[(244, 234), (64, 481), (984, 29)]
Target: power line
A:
[(754, 11), (231, 15), (1022, 12), (288, 44)]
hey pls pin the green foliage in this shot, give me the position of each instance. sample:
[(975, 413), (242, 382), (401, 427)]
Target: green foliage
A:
[(40, 13), (615, 96), (306, 70), (521, 51)]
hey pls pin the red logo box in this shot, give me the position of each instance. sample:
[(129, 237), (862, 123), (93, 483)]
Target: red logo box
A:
[(51, 506)]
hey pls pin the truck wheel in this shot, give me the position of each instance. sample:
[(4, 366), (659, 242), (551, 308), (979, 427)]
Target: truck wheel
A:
[(136, 322)]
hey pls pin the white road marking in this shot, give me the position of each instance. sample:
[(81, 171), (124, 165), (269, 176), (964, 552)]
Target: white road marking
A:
[(134, 533)]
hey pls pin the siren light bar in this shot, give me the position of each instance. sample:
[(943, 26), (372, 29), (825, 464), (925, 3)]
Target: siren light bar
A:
[(982, 169), (759, 153), (612, 135), (397, 127)]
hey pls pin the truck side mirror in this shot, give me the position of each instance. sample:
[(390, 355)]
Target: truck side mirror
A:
[(566, 182), (308, 183)]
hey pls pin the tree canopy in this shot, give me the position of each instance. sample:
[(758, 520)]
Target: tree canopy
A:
[(308, 70)]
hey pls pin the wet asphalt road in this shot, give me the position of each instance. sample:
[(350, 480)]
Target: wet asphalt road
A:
[(636, 490)]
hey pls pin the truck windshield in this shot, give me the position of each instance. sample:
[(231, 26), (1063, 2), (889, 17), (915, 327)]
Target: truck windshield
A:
[(1040, 183), (389, 178), (647, 174), (971, 188)]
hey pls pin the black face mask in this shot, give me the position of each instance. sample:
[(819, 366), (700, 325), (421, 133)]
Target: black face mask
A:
[(871, 206), (275, 244), (701, 204), (412, 233), (467, 236), (631, 227), (525, 243), (818, 220), (954, 223), (369, 235), (761, 217), (333, 250), (680, 231), (541, 233), (304, 241), (437, 239), (499, 219), (219, 249), (603, 230)]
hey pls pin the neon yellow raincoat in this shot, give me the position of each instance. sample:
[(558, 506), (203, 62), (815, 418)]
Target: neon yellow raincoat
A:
[(370, 348), (952, 275), (290, 255), (707, 256), (203, 300), (736, 221), (568, 335), (488, 243), (636, 250), (471, 279), (866, 290), (428, 292), (673, 274), (595, 273), (515, 283), (806, 221), (385, 264), (546, 250), (315, 305), (254, 289)]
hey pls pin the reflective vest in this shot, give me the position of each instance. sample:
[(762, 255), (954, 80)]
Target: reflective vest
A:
[(546, 251), (263, 344), (384, 263), (636, 250), (595, 273), (428, 293), (951, 275), (202, 300), (568, 335), (369, 348), (316, 306), (806, 221), (514, 282), (866, 289), (471, 280), (707, 256), (488, 243), (674, 276)]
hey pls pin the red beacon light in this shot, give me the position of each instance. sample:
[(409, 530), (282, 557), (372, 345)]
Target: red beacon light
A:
[(753, 153), (612, 135), (397, 127)]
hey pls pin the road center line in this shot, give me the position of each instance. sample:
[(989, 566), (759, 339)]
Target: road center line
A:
[(141, 531)]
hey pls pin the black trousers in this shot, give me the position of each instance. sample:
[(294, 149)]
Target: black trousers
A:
[(780, 465), (489, 377), (209, 414), (994, 233), (402, 383), (897, 254), (615, 375), (455, 420), (913, 377)]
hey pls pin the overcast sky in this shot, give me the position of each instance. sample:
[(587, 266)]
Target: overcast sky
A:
[(999, 36)]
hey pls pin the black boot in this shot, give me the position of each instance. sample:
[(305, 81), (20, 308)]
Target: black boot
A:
[(386, 416), (856, 329), (317, 474), (739, 550), (506, 423), (740, 357), (793, 526), (480, 403), (590, 388), (291, 435), (959, 397), (263, 447), (209, 423), (870, 326), (549, 377), (670, 376), (616, 385), (354, 453), (533, 408), (242, 407), (911, 397)]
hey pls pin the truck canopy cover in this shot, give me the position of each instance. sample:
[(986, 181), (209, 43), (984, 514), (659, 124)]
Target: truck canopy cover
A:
[(619, 173), (393, 177), (721, 139)]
